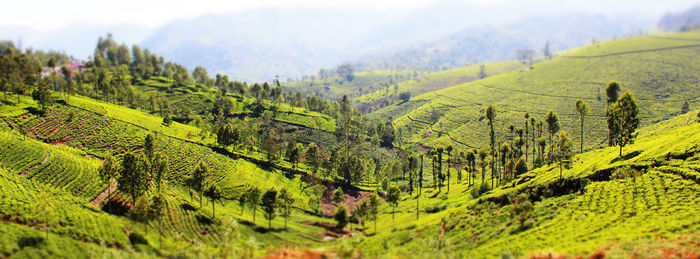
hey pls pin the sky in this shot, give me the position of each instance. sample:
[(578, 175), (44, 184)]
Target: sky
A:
[(51, 15)]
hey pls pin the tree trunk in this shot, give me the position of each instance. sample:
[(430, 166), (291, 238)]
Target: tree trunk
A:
[(620, 150), (213, 205), (581, 134)]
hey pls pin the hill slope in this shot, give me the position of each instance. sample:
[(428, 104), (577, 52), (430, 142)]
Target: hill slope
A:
[(660, 70), (640, 204)]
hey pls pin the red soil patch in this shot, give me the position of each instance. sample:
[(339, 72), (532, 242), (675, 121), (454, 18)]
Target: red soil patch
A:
[(331, 232), (103, 195), (353, 196), (291, 253)]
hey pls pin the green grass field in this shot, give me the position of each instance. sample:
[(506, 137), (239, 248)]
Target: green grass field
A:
[(660, 70), (621, 211)]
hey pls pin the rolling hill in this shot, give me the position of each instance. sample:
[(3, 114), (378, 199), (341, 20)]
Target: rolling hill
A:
[(661, 71)]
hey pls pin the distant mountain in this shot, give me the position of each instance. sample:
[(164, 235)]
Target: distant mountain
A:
[(78, 40), (681, 21), (489, 43), (294, 41)]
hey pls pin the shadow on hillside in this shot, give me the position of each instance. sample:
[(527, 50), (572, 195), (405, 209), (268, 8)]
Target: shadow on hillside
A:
[(187, 207), (263, 230), (115, 207), (626, 156), (29, 242)]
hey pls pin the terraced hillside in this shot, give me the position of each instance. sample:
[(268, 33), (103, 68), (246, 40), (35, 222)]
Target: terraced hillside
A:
[(61, 155), (661, 71), (642, 203), (432, 82)]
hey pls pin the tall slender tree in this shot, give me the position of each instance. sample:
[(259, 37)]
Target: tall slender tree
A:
[(269, 206), (491, 116), (552, 128), (582, 109)]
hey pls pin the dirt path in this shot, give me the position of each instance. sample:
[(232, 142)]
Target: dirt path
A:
[(103, 195), (34, 166)]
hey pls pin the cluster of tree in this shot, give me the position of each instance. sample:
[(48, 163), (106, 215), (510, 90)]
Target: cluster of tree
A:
[(272, 202)]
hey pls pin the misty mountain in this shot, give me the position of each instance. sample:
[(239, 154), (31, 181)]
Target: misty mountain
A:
[(681, 21), (488, 43), (78, 40)]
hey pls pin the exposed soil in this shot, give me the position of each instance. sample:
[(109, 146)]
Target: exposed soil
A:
[(103, 195), (331, 231), (353, 196), (293, 253)]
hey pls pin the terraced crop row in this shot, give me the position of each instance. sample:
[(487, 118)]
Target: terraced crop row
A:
[(58, 166)]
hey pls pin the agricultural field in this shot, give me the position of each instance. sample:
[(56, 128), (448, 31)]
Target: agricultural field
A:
[(334, 87), (435, 81), (660, 70), (642, 198)]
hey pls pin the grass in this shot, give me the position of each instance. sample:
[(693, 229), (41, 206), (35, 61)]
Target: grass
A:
[(653, 202), (660, 75), (439, 80)]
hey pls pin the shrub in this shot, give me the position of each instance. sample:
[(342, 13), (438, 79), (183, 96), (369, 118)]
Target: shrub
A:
[(136, 239), (477, 191), (437, 207)]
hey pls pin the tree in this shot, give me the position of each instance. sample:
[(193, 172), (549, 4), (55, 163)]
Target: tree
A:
[(373, 208), (198, 180), (338, 196), (108, 172), (341, 216), (685, 108), (471, 164), (482, 158), (270, 147), (449, 162), (405, 96), (522, 208), (42, 95), (46, 210), (243, 199), (491, 115), (552, 127), (420, 176), (521, 166), (612, 91), (392, 197), (286, 201), (149, 146), (156, 211), (582, 109), (159, 167), (564, 150), (214, 194), (269, 206), (313, 156), (133, 177), (253, 199), (623, 119), (227, 135), (346, 71)]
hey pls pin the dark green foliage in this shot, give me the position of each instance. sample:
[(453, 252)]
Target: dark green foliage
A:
[(253, 198), (623, 120), (612, 91), (133, 177), (269, 206), (214, 194), (522, 208), (477, 191), (227, 135), (437, 207), (563, 150), (552, 128), (521, 166), (42, 95), (392, 197), (341, 216), (197, 181), (582, 109), (338, 196), (405, 96), (286, 200)]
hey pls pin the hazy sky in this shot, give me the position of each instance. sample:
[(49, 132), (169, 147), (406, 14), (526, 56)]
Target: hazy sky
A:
[(48, 15)]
